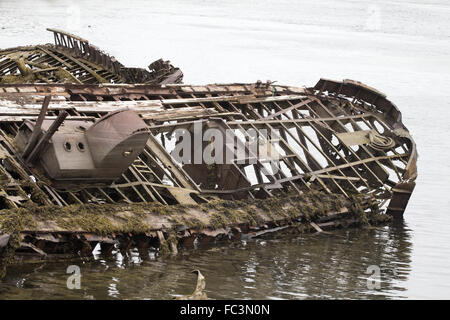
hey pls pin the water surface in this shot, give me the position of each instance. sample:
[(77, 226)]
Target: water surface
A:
[(399, 47)]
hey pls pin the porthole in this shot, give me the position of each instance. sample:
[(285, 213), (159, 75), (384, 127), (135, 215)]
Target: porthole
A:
[(81, 146), (67, 146)]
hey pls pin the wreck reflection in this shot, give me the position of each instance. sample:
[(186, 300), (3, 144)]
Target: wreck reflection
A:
[(321, 266), (282, 267)]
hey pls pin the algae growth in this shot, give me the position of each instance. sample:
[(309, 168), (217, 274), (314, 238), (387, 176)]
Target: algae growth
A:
[(105, 219), (295, 210)]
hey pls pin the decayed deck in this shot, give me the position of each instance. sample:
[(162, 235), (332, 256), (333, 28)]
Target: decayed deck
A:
[(331, 171), (72, 59)]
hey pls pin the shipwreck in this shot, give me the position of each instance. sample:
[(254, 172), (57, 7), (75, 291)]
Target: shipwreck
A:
[(87, 155)]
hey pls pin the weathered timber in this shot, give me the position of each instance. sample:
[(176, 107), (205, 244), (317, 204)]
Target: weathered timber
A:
[(336, 154), (74, 60)]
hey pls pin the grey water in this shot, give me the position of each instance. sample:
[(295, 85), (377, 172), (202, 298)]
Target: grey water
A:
[(402, 48)]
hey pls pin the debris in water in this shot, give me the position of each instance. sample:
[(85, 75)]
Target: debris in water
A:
[(198, 293)]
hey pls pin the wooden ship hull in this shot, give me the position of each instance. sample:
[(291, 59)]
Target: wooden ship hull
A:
[(343, 158)]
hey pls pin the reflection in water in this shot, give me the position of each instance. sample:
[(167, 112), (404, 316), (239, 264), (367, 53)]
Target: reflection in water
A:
[(282, 267)]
